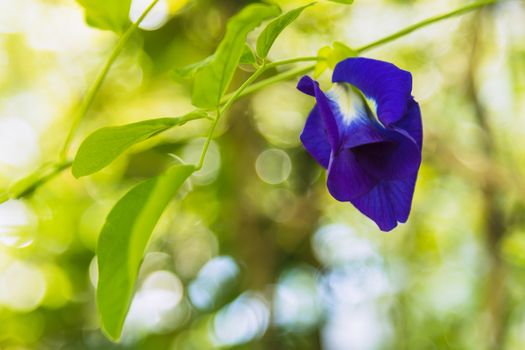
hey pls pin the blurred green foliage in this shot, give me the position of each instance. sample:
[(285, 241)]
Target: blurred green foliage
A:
[(254, 253)]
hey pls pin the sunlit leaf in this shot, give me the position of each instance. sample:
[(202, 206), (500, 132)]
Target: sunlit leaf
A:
[(274, 28), (107, 14), (212, 80), (123, 241), (104, 145)]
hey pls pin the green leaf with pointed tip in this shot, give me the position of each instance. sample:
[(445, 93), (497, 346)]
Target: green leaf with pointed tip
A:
[(104, 145), (123, 240), (212, 80), (274, 28), (107, 14)]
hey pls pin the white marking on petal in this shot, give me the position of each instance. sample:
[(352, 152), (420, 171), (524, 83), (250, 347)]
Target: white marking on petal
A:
[(351, 106)]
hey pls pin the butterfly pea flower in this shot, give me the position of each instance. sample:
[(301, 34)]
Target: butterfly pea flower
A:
[(367, 132)]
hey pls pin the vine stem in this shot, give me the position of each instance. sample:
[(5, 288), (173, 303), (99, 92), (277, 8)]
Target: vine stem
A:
[(46, 175), (292, 73), (426, 22), (95, 87), (221, 110), (245, 89), (294, 60)]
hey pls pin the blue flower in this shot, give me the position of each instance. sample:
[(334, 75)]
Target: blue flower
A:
[(367, 132)]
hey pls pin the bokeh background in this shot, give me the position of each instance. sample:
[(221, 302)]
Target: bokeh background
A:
[(255, 254)]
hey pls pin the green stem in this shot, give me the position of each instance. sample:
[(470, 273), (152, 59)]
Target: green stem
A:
[(426, 22), (95, 87), (278, 77), (294, 60), (29, 184), (45, 178), (245, 86), (221, 110), (194, 115), (275, 79), (207, 143)]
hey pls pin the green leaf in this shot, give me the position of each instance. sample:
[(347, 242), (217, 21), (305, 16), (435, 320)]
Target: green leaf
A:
[(248, 57), (123, 240), (189, 71), (104, 145), (213, 79), (274, 28), (346, 2), (107, 14)]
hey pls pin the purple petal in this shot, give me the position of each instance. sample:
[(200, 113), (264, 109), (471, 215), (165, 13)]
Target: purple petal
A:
[(311, 87), (347, 179), (315, 139), (395, 158), (307, 85), (383, 82), (411, 123), (388, 203), (360, 133)]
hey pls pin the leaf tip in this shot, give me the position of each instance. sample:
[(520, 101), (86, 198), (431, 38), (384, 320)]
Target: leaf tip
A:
[(113, 337)]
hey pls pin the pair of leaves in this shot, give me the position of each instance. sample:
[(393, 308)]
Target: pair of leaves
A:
[(214, 74), (130, 223), (104, 145), (272, 31), (107, 14), (123, 240), (213, 78)]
